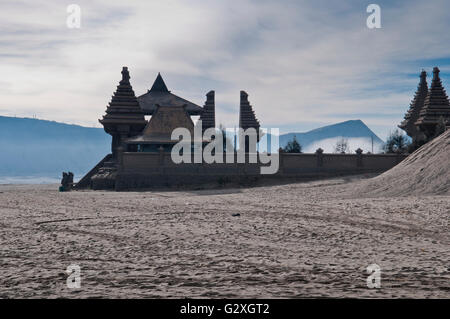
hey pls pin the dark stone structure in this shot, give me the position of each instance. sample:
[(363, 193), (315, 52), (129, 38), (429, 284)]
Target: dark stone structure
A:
[(247, 119), (124, 117), (208, 116), (160, 95), (157, 134), (436, 106), (66, 182), (147, 170), (416, 106), (125, 121), (141, 150)]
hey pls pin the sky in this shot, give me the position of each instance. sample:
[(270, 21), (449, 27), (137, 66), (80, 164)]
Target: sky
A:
[(304, 64)]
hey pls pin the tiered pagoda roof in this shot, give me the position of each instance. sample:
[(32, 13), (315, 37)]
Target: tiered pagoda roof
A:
[(436, 105), (124, 108), (247, 118), (160, 95), (411, 116), (208, 116)]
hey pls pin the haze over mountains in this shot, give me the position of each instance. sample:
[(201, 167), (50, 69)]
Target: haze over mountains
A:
[(357, 134), (40, 148)]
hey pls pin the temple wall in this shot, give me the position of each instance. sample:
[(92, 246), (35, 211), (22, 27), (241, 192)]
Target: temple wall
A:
[(142, 170), (381, 161), (298, 161), (340, 161)]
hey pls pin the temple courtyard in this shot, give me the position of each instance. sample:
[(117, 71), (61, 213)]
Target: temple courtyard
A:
[(311, 239)]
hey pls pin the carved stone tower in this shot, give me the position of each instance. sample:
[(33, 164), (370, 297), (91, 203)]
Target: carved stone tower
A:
[(124, 117), (208, 116), (436, 105), (247, 118), (416, 106)]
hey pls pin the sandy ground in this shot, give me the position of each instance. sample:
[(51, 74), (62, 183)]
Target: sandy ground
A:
[(298, 240)]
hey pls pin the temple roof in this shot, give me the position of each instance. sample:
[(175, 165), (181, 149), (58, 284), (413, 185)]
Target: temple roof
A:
[(159, 85), (160, 95), (124, 107), (411, 116), (165, 119), (436, 104)]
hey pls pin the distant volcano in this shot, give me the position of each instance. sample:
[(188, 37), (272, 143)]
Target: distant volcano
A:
[(355, 132)]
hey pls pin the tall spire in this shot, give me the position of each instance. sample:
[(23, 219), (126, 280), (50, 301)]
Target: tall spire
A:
[(159, 85), (208, 115), (436, 105), (416, 106), (124, 117), (247, 116), (124, 106), (247, 119)]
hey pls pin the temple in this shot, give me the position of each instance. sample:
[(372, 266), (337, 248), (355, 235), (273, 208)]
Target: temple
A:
[(125, 122), (125, 117), (131, 133), (436, 107), (141, 150)]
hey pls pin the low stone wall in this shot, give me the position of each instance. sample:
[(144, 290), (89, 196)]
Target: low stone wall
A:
[(326, 163), (147, 170)]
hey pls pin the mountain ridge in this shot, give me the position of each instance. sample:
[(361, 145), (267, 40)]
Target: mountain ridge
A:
[(351, 130), (35, 147)]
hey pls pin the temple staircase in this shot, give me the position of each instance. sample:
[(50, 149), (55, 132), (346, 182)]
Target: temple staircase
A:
[(85, 182)]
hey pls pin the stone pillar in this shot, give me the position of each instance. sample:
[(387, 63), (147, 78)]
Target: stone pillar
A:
[(319, 155), (247, 119), (208, 115), (359, 162)]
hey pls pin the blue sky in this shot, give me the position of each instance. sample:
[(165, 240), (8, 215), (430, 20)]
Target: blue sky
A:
[(303, 63)]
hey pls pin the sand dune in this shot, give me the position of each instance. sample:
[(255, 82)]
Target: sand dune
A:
[(425, 172)]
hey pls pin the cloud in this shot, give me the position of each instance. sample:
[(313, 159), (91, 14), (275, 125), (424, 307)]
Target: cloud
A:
[(300, 61)]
